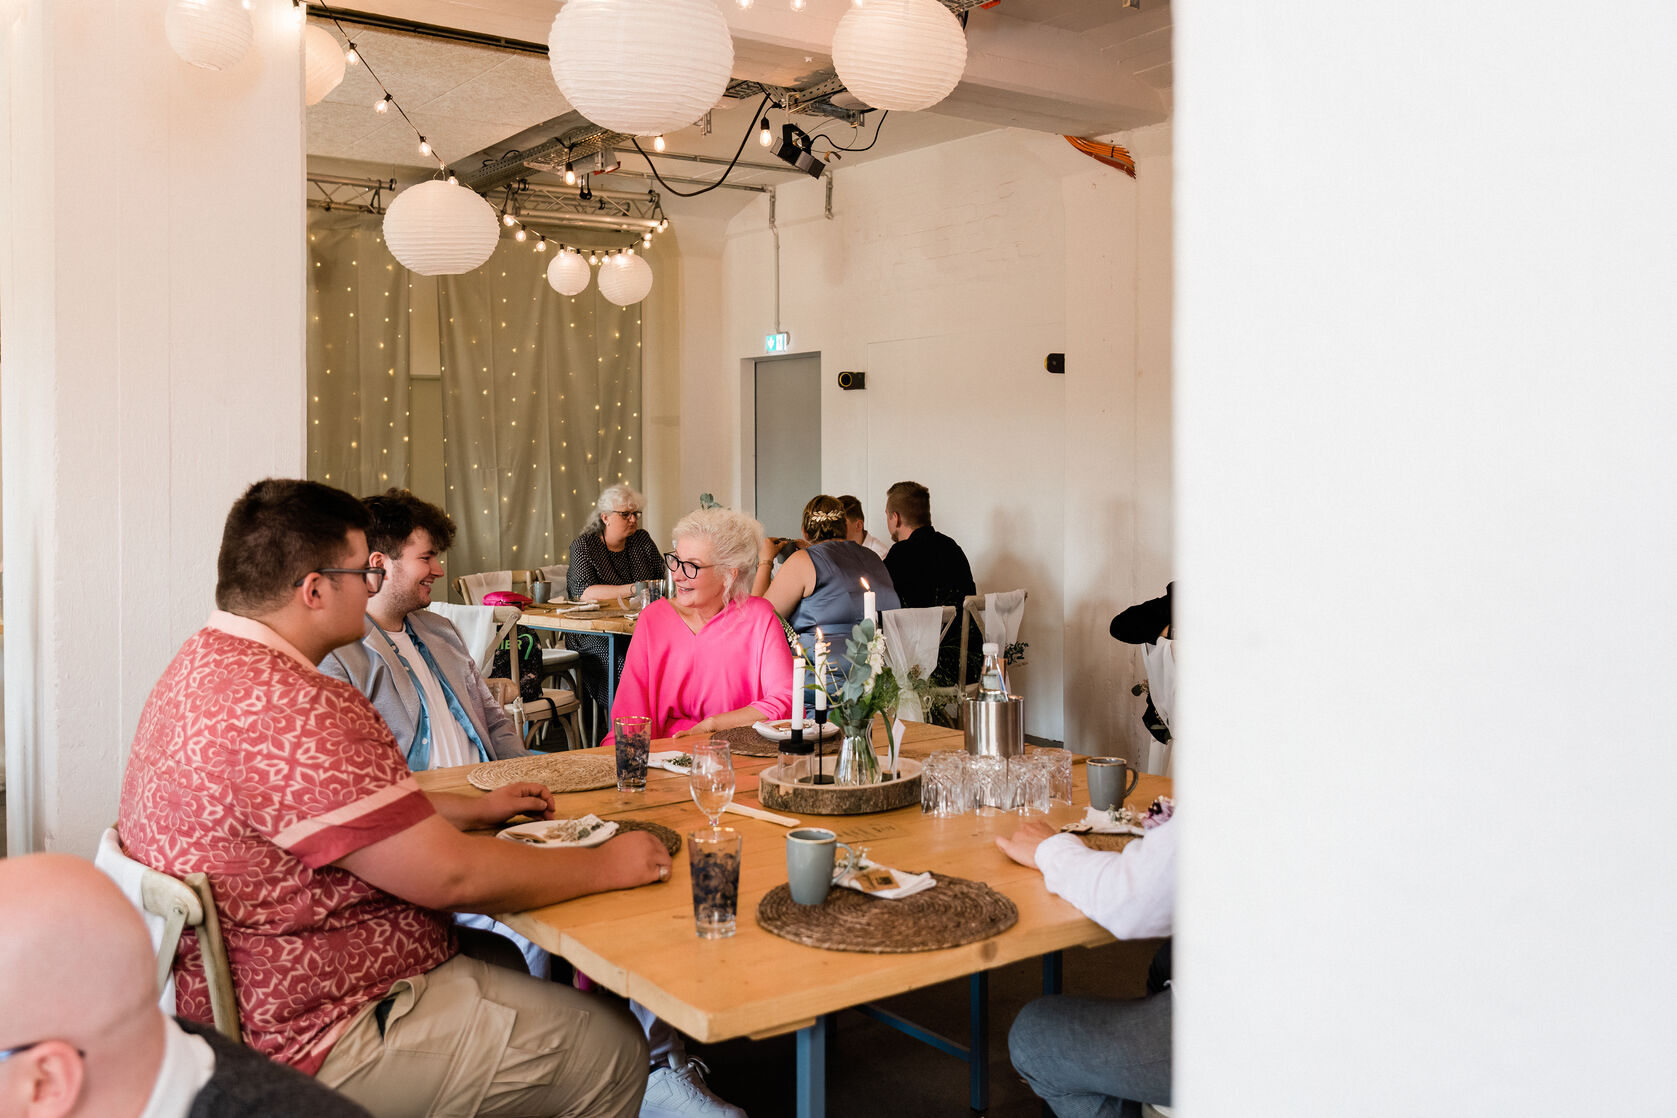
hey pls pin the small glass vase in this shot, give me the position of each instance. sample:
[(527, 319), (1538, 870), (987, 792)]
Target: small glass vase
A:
[(856, 761)]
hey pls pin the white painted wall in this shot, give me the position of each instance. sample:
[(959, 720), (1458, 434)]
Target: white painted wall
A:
[(948, 274), (1425, 422), (151, 272)]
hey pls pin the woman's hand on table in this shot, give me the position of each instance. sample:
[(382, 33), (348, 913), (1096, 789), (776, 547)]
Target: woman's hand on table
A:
[(634, 858), (523, 798), (1021, 844), (706, 726)]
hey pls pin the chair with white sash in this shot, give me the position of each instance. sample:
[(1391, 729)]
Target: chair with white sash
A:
[(997, 617), (169, 906), (912, 639)]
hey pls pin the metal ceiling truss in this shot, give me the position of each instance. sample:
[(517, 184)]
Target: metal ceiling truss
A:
[(611, 211)]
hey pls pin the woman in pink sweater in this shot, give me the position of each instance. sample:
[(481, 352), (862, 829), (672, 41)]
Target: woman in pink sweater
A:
[(712, 657)]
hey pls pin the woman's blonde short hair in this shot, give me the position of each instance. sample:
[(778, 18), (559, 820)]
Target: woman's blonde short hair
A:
[(735, 541)]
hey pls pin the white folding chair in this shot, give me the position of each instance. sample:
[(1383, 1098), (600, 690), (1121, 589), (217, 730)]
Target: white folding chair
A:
[(169, 906)]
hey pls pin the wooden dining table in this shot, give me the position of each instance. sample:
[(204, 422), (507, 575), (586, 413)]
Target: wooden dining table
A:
[(641, 942)]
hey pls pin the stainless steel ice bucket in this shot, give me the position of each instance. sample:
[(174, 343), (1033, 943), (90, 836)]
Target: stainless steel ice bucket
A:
[(994, 729)]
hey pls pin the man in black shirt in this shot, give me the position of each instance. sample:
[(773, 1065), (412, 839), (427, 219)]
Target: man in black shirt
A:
[(927, 567)]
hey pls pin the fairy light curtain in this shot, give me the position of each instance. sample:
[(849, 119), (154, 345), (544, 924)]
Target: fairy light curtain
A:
[(541, 408), (358, 301)]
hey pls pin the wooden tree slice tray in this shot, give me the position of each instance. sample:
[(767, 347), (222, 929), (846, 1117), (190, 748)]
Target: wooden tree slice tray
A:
[(1107, 842), (671, 840), (562, 772), (957, 911), (841, 799)]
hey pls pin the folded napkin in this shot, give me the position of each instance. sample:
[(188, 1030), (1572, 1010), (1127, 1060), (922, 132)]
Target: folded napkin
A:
[(1118, 821), (668, 761), (870, 875)]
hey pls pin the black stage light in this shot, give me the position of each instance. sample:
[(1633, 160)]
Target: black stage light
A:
[(795, 148)]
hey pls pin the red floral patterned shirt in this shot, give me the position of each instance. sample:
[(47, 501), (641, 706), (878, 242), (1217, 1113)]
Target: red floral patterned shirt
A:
[(253, 767)]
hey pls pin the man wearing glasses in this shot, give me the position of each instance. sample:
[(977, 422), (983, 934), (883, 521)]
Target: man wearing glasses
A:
[(333, 871)]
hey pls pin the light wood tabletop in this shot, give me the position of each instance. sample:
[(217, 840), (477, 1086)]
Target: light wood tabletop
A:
[(607, 619), (641, 943)]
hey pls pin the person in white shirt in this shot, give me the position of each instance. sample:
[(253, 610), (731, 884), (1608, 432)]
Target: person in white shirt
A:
[(1100, 1057), (81, 1032), (856, 529)]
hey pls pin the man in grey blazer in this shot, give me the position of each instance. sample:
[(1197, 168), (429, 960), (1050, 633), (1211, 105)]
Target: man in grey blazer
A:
[(410, 662)]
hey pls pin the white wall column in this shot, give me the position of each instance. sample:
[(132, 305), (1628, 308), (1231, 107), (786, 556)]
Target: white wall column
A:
[(151, 271), (1425, 421)]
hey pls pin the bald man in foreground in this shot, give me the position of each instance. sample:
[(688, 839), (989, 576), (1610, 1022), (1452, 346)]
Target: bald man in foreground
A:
[(81, 1033)]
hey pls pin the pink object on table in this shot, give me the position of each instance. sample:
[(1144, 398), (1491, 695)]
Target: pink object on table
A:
[(506, 598), (678, 677)]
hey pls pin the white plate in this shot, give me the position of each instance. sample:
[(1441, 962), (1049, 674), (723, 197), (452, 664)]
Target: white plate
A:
[(668, 762), (538, 830), (781, 729)]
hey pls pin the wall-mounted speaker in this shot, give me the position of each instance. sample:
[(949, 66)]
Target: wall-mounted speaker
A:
[(1055, 363), (849, 381)]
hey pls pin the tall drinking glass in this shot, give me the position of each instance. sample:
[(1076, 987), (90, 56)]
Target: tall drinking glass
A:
[(711, 779), (1060, 761), (714, 858), (634, 748)]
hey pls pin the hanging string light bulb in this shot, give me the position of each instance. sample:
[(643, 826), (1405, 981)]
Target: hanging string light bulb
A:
[(350, 56), (570, 174), (424, 146), (383, 105), (764, 136), (658, 142)]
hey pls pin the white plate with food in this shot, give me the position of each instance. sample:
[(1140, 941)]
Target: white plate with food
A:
[(590, 830), (672, 761), (781, 729)]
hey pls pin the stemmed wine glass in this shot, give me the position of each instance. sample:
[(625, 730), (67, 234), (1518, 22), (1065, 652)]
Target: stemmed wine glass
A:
[(711, 779)]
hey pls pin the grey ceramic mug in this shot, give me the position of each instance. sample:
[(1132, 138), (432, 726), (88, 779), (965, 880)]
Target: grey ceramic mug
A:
[(1111, 780), (539, 591), (810, 855)]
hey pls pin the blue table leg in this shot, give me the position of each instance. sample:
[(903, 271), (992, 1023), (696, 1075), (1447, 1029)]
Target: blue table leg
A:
[(611, 671), (978, 1042), (811, 1090), (1053, 972)]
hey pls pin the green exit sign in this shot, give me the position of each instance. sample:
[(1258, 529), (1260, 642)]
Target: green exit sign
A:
[(777, 343)]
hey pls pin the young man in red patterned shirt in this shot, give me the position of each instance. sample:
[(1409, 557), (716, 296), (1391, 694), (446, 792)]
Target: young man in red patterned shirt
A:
[(332, 870)]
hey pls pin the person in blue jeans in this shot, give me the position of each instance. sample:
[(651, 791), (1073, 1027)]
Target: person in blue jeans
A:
[(1101, 1057)]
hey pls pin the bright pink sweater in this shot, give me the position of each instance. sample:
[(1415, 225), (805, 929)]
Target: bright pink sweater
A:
[(679, 677)]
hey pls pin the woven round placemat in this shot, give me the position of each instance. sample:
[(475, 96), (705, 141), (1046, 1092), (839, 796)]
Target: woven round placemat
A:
[(957, 911), (671, 840), (746, 742), (562, 772)]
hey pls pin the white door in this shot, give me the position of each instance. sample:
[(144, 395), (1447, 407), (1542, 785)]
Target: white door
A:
[(788, 424)]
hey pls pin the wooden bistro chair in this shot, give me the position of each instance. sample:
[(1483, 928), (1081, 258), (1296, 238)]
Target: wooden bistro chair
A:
[(472, 588), (169, 906), (558, 661), (555, 705)]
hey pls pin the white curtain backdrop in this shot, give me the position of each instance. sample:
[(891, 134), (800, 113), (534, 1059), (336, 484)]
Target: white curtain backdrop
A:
[(358, 355), (541, 393), (541, 408)]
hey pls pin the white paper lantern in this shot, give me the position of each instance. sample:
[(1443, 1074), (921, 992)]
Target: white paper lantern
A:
[(213, 34), (900, 54), (568, 273), (323, 63), (435, 229), (625, 279), (644, 67)]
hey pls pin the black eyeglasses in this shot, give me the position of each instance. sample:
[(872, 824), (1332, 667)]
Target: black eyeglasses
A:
[(627, 514), (373, 576), (686, 568)]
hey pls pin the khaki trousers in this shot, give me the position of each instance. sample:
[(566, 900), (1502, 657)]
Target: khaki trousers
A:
[(470, 1038)]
